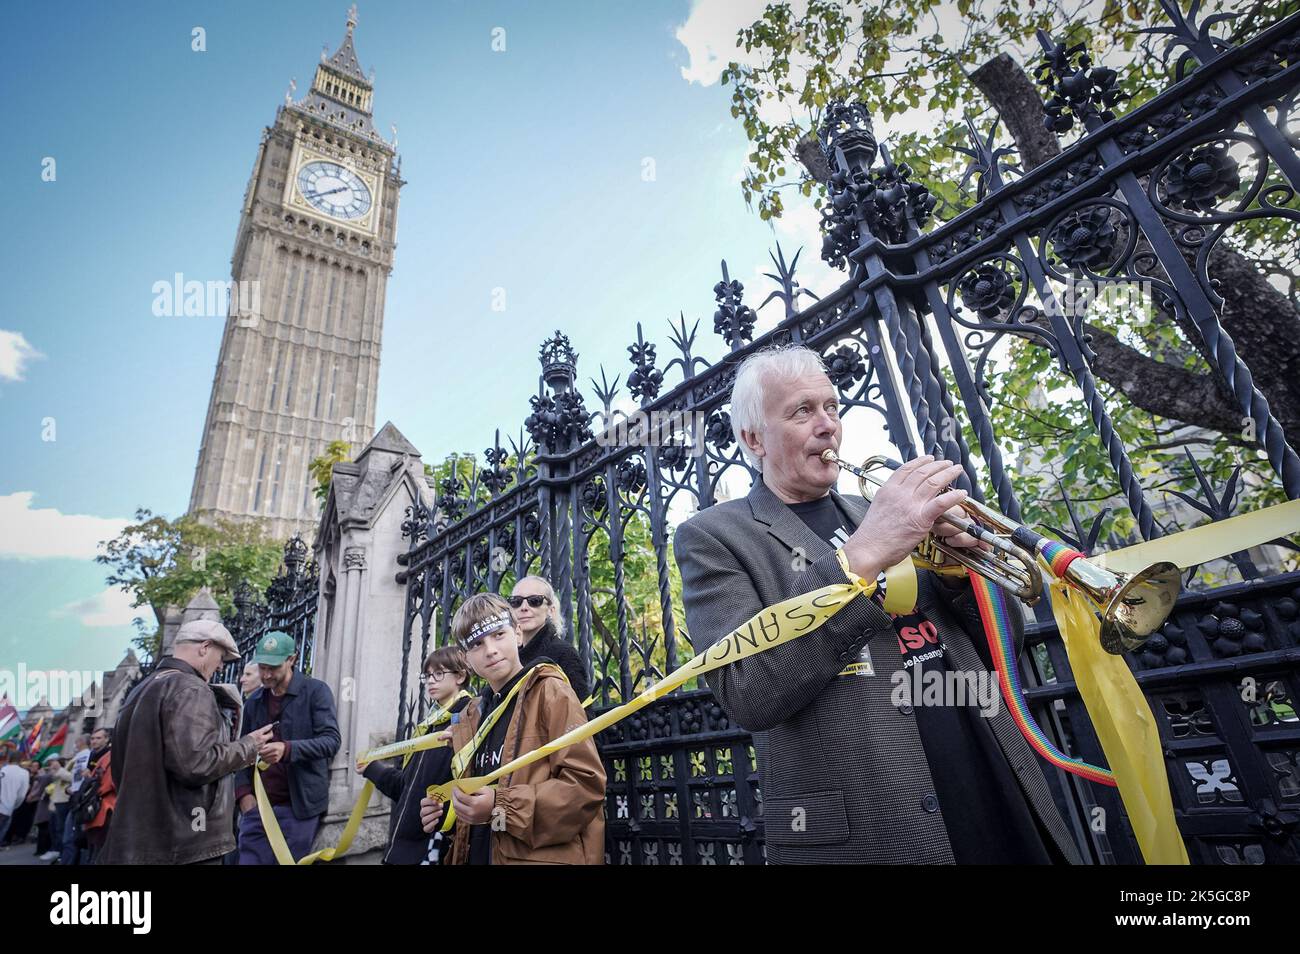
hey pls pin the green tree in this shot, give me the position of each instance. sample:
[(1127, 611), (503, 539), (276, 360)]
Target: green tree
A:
[(322, 468), (163, 562), (641, 601)]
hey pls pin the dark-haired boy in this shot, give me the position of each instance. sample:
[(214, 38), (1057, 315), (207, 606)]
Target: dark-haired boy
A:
[(446, 680)]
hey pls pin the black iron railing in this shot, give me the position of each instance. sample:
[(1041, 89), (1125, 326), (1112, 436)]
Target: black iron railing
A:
[(1139, 200)]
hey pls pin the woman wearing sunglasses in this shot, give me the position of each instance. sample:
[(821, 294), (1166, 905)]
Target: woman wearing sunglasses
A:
[(541, 628)]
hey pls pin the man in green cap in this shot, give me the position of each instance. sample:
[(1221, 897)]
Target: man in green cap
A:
[(305, 736)]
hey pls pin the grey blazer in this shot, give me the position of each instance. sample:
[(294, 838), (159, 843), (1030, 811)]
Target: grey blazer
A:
[(843, 773)]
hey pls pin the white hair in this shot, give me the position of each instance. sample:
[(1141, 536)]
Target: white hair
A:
[(779, 363), (556, 617)]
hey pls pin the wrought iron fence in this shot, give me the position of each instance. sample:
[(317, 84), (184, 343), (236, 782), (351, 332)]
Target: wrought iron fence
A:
[(1140, 198), (288, 605)]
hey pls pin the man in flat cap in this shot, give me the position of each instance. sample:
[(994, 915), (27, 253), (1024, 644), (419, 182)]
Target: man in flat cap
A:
[(174, 754)]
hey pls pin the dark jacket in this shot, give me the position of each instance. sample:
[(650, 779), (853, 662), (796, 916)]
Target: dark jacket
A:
[(548, 644), (173, 757), (309, 724), (836, 753), (407, 841)]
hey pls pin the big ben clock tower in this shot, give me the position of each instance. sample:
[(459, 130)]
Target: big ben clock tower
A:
[(299, 360)]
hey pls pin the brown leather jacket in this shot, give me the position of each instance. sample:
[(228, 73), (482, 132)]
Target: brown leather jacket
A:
[(173, 758), (554, 809)]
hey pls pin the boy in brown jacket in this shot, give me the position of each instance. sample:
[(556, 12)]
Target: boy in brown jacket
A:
[(550, 812)]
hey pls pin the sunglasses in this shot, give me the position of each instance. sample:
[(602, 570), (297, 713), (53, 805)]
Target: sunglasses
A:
[(533, 601)]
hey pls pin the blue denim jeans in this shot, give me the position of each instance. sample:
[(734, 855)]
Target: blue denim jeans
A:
[(58, 821), (70, 855), (254, 849)]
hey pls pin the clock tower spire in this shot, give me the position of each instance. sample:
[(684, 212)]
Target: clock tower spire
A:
[(299, 361)]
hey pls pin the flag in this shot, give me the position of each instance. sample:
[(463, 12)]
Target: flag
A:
[(10, 724), (55, 746), (29, 744)]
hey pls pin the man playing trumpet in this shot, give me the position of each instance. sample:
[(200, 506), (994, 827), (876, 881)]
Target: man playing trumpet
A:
[(850, 773)]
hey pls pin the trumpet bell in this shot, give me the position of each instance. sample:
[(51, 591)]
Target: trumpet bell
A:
[(1138, 607), (1132, 607)]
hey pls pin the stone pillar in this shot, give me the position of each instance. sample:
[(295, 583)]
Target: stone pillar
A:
[(353, 620), (171, 622), (201, 606), (361, 616)]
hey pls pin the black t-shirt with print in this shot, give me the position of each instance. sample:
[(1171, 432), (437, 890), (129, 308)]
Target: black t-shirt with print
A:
[(984, 809), (487, 758)]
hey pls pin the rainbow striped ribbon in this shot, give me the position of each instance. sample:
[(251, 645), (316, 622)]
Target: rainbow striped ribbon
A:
[(997, 630), (1058, 556)]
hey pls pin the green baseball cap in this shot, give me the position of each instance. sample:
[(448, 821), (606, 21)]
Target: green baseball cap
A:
[(273, 649)]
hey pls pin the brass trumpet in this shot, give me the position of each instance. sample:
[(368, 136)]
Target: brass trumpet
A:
[(1131, 606)]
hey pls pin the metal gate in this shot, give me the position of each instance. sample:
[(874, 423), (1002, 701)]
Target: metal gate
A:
[(1139, 199)]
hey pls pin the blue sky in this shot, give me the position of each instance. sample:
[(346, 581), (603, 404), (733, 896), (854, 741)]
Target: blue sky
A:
[(524, 172)]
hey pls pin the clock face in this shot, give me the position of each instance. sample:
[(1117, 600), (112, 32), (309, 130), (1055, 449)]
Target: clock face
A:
[(334, 190)]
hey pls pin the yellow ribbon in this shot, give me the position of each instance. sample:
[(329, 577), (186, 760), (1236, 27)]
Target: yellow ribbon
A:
[(1119, 711), (406, 747), (770, 627), (271, 825), (1210, 541), (420, 741), (460, 761), (276, 837), (1116, 706), (1125, 727)]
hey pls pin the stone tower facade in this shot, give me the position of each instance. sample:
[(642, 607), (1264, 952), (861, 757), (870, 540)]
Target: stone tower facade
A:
[(299, 360)]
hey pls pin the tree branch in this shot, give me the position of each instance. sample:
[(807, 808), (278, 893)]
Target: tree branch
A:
[(1168, 445), (1015, 98)]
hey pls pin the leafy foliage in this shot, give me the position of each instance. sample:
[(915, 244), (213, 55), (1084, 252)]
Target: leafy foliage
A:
[(905, 55), (322, 468), (163, 562), (641, 602)]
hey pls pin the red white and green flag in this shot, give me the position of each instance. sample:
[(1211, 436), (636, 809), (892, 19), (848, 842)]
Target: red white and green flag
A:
[(55, 746), (10, 723)]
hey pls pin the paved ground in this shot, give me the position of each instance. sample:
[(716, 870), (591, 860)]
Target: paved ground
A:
[(20, 854)]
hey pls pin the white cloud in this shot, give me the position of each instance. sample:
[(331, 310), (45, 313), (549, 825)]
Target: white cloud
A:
[(15, 352), (28, 533), (109, 608), (709, 35)]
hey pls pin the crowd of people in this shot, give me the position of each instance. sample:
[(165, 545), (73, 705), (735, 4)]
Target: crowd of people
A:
[(64, 803), (191, 769)]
